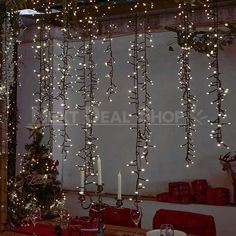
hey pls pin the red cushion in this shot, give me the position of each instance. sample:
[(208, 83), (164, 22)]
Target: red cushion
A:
[(190, 223)]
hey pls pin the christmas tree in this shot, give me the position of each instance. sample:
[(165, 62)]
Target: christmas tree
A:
[(36, 184)]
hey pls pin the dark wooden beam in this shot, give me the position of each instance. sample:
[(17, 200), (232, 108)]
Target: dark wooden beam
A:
[(3, 148), (160, 16)]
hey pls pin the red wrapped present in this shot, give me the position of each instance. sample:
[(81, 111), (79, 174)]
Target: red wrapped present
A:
[(163, 197), (175, 199), (186, 199), (211, 196), (200, 198), (199, 186), (166, 197), (218, 196), (222, 196), (179, 188)]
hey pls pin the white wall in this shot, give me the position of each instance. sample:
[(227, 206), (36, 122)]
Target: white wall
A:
[(117, 142)]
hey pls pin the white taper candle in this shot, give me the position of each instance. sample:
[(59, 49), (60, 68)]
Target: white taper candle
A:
[(99, 166), (119, 177), (82, 181)]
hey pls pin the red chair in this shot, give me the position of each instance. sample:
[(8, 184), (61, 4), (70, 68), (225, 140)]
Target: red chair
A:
[(190, 223), (114, 216)]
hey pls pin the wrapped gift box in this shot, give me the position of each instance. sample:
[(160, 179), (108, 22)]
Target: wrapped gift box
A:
[(167, 197), (175, 199), (222, 196), (179, 188), (199, 186), (163, 197), (186, 199), (218, 196), (200, 198), (211, 196)]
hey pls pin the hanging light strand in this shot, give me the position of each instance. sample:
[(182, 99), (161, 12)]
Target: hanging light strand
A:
[(64, 84), (87, 161), (216, 87), (88, 85), (140, 97), (8, 63), (112, 88), (145, 45), (8, 88), (188, 100), (47, 64), (44, 54)]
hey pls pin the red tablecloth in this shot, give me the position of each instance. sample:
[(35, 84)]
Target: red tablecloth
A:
[(49, 230)]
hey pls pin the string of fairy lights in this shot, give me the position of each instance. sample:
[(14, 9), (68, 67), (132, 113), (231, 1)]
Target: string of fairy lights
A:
[(64, 83), (43, 52), (112, 88), (88, 81), (8, 64), (188, 99), (140, 97), (216, 88), (8, 87)]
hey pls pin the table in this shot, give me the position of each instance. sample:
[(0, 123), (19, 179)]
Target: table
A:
[(110, 230)]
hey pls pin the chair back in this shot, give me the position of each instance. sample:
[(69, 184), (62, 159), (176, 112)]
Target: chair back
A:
[(189, 222)]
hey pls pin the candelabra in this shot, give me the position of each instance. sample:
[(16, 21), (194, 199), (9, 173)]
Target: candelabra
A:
[(86, 202), (119, 203), (100, 205)]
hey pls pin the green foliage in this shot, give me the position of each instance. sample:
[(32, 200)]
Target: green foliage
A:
[(200, 40), (15, 4), (36, 184)]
